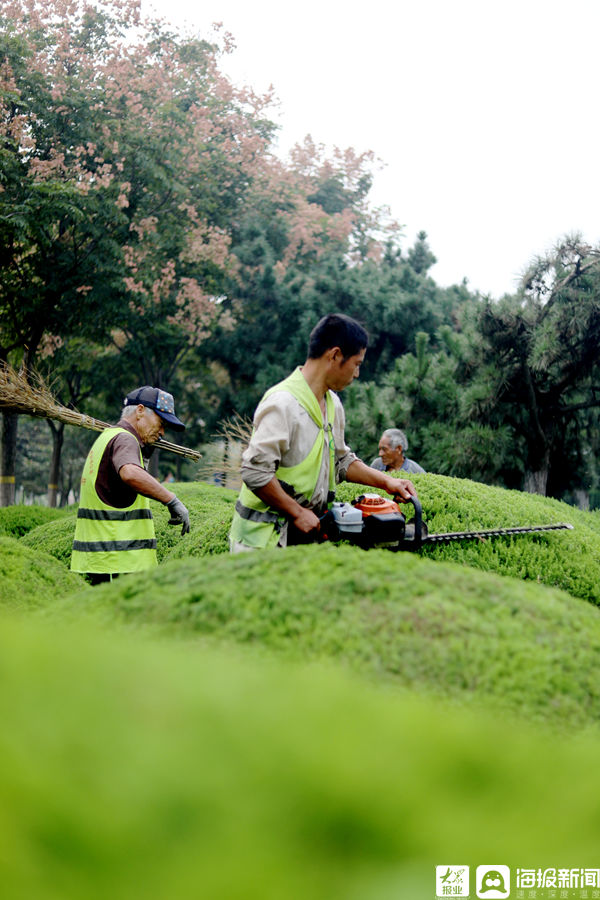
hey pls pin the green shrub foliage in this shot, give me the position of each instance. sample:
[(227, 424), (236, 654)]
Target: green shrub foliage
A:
[(54, 538), (566, 559), (132, 769), (211, 509), (394, 617), (30, 578), (18, 520)]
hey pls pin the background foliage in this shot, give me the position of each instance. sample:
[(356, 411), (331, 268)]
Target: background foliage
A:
[(150, 234)]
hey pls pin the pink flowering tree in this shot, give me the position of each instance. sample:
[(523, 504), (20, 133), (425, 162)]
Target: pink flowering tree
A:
[(124, 156), (143, 210), (306, 225)]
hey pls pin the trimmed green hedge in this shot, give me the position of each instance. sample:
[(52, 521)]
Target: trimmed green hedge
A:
[(55, 538), (211, 509), (16, 521), (566, 559), (30, 578), (394, 617), (135, 770)]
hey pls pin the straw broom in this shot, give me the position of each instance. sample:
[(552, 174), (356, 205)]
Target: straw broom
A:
[(17, 395), (235, 434)]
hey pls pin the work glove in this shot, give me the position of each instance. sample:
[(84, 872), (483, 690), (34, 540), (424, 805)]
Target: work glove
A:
[(179, 514)]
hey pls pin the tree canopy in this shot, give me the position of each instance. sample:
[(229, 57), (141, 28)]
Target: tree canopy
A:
[(149, 233)]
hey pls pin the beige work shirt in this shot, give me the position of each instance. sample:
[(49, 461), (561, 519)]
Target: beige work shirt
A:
[(284, 434)]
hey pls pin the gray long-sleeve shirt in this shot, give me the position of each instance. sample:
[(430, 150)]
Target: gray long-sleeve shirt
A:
[(409, 466)]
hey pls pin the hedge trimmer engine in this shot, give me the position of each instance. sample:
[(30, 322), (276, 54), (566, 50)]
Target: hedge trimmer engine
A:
[(374, 521)]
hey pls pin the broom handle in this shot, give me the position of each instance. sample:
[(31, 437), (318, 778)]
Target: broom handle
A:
[(160, 444), (176, 448), (70, 417), (18, 396)]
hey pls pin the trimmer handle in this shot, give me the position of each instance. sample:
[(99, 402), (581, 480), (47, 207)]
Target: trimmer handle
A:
[(329, 530), (416, 539)]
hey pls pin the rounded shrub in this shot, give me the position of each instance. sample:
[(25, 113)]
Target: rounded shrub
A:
[(566, 559), (394, 617), (211, 510), (132, 769), (16, 521), (30, 578), (54, 538)]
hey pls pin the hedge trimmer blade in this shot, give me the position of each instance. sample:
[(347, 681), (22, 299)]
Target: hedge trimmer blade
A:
[(491, 532)]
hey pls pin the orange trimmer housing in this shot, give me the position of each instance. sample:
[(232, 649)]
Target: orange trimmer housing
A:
[(374, 504)]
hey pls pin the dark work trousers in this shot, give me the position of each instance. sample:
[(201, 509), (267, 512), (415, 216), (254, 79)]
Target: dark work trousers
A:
[(96, 578)]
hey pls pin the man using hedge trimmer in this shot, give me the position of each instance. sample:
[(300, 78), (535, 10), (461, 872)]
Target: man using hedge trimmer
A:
[(297, 451), (114, 532), (297, 454)]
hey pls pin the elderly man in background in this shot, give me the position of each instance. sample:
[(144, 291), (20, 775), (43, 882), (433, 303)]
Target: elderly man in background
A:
[(392, 446), (114, 533)]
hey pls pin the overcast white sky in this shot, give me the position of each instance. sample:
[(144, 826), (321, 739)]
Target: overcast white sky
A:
[(485, 114)]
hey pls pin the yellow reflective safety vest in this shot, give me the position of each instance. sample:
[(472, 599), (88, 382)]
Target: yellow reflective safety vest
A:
[(109, 540), (258, 525)]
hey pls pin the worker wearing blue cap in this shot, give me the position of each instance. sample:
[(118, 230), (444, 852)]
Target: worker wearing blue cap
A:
[(114, 533)]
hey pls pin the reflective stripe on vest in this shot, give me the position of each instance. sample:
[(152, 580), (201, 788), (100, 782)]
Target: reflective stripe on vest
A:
[(101, 546), (258, 525), (256, 515), (109, 540), (114, 515)]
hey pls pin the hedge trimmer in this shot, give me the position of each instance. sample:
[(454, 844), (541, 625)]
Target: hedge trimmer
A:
[(373, 521)]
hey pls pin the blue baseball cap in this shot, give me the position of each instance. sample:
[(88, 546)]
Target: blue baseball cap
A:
[(160, 401)]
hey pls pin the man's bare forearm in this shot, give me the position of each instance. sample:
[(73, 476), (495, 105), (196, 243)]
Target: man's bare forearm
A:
[(144, 483), (360, 473), (274, 495)]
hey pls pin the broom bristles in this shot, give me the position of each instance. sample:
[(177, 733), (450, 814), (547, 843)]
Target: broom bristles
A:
[(224, 453), (236, 429), (18, 395)]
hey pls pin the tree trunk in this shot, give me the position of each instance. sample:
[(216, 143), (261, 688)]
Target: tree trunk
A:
[(8, 458), (67, 487), (582, 498), (536, 482), (58, 434), (224, 475)]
